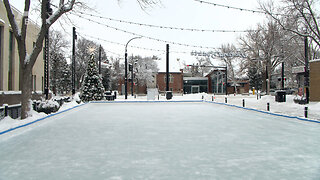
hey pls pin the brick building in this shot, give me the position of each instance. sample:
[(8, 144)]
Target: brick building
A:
[(240, 87), (175, 82)]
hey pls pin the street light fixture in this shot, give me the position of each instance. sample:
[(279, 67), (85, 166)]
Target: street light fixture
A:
[(126, 67)]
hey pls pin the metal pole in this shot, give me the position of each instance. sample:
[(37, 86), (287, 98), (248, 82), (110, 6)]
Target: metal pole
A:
[(167, 67), (125, 75), (126, 69), (46, 65), (46, 53), (306, 73), (74, 37), (226, 80), (267, 78), (282, 76), (132, 76), (100, 59)]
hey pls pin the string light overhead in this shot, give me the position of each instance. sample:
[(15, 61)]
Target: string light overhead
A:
[(165, 27), (83, 35), (230, 7), (236, 8), (120, 44), (147, 37)]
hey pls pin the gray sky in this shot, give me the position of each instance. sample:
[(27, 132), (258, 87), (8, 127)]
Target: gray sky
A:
[(177, 13)]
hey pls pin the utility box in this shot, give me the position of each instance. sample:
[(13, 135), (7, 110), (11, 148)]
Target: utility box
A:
[(280, 96), (152, 93)]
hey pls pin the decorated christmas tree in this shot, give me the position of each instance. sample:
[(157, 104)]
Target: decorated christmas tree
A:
[(92, 88)]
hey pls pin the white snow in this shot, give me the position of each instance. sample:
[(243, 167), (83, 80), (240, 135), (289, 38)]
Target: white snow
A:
[(10, 92), (164, 141)]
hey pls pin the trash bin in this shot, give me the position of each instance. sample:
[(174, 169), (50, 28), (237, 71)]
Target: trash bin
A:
[(280, 96), (169, 95), (107, 93)]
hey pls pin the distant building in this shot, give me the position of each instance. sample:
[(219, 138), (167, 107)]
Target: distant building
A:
[(217, 81), (314, 80), (195, 85), (175, 81), (241, 86)]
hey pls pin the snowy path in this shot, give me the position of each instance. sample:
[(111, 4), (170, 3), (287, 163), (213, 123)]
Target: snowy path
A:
[(163, 141)]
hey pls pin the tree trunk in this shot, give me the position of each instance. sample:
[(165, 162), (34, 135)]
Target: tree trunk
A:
[(26, 92)]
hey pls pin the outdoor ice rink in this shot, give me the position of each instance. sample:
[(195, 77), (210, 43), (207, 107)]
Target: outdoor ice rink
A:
[(162, 141)]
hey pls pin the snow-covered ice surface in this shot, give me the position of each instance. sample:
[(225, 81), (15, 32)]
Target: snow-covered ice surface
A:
[(163, 141)]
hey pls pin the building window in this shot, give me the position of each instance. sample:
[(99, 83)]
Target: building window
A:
[(170, 78), (34, 79), (11, 62), (1, 59)]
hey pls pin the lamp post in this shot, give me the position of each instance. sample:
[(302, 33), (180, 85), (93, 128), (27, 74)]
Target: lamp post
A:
[(306, 69), (126, 68)]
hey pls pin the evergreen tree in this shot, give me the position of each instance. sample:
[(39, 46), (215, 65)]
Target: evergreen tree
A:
[(92, 88), (255, 77)]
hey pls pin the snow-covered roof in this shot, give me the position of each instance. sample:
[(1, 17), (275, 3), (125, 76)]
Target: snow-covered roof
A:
[(298, 69), (2, 21), (315, 60)]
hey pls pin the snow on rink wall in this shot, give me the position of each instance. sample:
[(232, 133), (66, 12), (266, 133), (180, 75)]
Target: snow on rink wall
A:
[(176, 140)]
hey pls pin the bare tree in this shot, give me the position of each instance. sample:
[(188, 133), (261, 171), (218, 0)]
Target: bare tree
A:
[(27, 60), (59, 70), (144, 69), (231, 62), (297, 16), (265, 44)]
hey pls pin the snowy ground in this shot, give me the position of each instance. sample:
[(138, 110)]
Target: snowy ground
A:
[(163, 141), (251, 101)]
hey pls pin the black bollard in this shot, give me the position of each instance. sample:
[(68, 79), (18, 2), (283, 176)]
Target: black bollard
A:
[(226, 100), (306, 112), (243, 103), (268, 106), (6, 110)]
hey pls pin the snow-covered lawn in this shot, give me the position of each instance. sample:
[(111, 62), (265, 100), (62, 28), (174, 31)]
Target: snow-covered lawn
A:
[(286, 108), (163, 141)]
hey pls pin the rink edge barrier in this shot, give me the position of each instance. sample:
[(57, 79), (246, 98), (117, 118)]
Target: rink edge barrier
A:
[(41, 119), (265, 112)]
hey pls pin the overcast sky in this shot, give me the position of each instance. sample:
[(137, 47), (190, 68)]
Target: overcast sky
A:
[(175, 13)]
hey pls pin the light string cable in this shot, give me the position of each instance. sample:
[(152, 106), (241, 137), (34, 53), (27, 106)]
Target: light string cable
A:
[(147, 37), (164, 27), (237, 8), (84, 35)]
